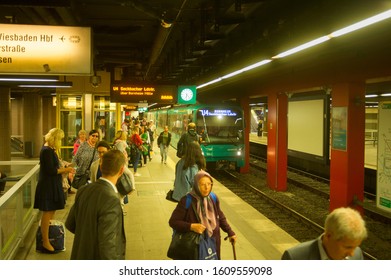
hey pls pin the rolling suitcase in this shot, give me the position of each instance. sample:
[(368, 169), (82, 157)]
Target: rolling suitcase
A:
[(56, 236)]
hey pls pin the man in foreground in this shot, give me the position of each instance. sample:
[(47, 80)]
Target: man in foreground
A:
[(96, 217), (344, 231)]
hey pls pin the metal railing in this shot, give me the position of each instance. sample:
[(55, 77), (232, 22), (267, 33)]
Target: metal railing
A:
[(17, 214)]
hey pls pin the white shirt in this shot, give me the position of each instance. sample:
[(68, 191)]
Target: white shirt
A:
[(323, 254), (111, 184)]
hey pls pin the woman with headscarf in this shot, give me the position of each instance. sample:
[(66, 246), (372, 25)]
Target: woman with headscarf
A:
[(207, 206)]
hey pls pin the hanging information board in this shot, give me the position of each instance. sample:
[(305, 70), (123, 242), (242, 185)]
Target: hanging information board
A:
[(45, 50), (140, 93)]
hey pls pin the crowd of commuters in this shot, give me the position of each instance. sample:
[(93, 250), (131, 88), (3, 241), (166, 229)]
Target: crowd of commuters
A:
[(96, 217)]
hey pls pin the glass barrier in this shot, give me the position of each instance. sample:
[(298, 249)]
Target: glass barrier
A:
[(16, 205)]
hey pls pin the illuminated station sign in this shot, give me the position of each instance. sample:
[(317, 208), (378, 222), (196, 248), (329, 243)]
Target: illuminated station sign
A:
[(138, 93), (218, 113), (45, 50)]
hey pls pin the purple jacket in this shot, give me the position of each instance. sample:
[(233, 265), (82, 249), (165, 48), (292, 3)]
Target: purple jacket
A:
[(181, 218)]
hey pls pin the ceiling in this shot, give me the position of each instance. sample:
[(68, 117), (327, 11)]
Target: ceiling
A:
[(190, 41)]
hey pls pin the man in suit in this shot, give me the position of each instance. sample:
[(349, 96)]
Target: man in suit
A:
[(344, 231), (96, 218)]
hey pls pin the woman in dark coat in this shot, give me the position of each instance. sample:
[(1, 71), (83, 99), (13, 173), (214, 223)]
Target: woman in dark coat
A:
[(49, 195), (208, 209)]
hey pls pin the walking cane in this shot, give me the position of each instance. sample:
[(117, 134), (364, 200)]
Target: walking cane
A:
[(233, 247)]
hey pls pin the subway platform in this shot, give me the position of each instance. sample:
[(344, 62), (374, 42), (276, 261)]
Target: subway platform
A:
[(146, 221)]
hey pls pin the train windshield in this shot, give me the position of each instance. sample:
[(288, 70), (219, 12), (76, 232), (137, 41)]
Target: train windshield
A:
[(220, 125)]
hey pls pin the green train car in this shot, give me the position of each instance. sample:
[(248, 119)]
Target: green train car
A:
[(220, 126)]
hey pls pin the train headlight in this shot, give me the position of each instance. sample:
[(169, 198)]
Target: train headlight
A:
[(239, 152)]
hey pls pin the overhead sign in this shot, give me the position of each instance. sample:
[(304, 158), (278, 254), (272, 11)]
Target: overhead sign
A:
[(45, 49), (187, 94), (138, 93), (218, 113)]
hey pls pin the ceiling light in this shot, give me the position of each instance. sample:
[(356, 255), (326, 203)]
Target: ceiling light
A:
[(303, 47), (385, 94), (350, 28), (209, 83), (371, 95), (361, 24), (47, 85), (255, 65), (165, 24), (29, 78)]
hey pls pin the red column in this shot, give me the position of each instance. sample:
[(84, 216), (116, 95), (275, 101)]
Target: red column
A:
[(347, 165), (277, 141), (245, 104)]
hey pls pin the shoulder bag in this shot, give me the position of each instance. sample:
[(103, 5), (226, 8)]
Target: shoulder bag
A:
[(124, 184), (184, 245), (81, 180)]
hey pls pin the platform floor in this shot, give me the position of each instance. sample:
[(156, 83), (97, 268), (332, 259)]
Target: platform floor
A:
[(146, 221)]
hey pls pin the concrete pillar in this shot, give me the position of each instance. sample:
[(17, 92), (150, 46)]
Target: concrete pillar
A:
[(277, 141), (347, 145), (5, 124), (32, 120)]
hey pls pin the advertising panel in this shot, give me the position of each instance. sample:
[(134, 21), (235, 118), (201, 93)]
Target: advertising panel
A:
[(339, 122), (383, 191)]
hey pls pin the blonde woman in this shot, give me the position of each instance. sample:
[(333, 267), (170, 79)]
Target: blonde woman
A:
[(49, 195), (82, 138), (120, 142)]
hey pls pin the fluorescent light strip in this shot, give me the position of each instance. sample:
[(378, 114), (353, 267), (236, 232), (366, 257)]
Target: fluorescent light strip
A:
[(361, 24), (303, 47), (371, 95), (255, 65), (28, 80), (385, 94), (209, 83), (45, 86)]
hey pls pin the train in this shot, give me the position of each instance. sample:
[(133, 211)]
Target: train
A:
[(221, 127)]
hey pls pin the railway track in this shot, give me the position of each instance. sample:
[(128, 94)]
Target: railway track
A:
[(299, 212), (319, 186), (270, 207)]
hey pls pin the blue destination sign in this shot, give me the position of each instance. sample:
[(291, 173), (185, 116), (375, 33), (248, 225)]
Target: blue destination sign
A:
[(218, 113)]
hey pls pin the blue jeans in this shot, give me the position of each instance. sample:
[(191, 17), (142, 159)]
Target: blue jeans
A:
[(163, 152), (135, 161)]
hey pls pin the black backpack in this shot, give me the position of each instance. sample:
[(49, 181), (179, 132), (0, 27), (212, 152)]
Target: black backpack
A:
[(184, 141)]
